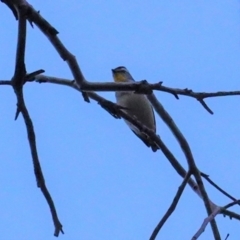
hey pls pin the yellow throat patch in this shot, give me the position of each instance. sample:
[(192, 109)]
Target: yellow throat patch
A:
[(119, 77)]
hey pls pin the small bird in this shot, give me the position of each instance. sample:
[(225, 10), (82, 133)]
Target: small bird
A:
[(136, 105)]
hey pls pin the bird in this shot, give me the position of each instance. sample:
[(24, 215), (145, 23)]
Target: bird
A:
[(136, 105)]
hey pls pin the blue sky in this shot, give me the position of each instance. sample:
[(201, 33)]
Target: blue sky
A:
[(105, 183)]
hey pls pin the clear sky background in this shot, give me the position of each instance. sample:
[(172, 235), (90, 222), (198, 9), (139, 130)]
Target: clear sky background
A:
[(105, 183)]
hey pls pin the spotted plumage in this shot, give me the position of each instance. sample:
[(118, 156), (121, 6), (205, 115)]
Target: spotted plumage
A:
[(136, 105)]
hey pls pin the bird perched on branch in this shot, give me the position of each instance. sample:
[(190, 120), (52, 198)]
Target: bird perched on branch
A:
[(136, 105)]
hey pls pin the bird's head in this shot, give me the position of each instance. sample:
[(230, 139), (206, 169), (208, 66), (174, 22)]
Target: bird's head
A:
[(121, 74)]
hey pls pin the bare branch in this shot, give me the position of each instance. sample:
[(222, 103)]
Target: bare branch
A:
[(138, 87), (31, 76), (147, 88), (217, 187), (36, 163), (205, 223), (188, 154), (205, 106), (12, 8), (172, 206), (211, 217), (227, 236), (20, 70), (6, 82), (17, 83)]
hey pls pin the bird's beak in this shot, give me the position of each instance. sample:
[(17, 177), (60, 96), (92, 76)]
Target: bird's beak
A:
[(113, 70)]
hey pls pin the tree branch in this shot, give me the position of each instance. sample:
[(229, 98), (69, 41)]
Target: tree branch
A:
[(19, 78), (172, 206), (211, 217), (189, 157), (217, 187)]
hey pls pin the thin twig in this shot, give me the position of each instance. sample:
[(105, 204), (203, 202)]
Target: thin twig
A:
[(211, 217), (172, 206), (6, 82), (205, 223), (217, 187), (205, 106), (231, 204)]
